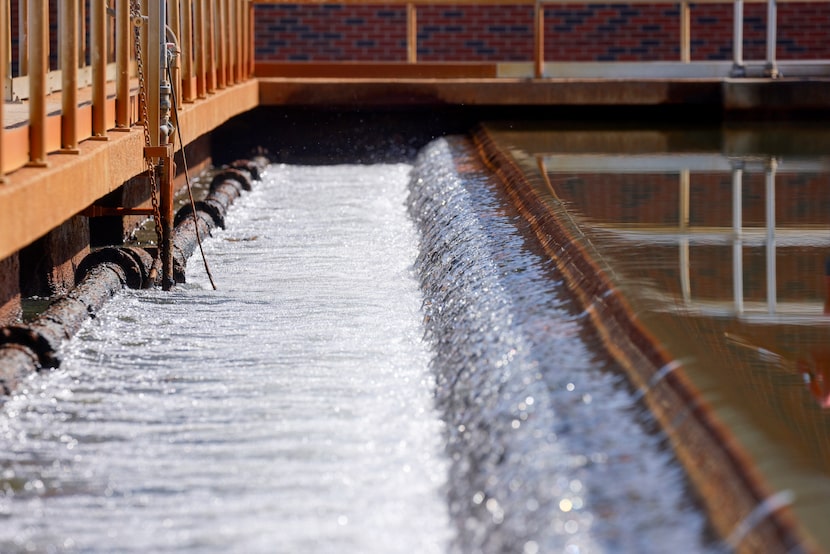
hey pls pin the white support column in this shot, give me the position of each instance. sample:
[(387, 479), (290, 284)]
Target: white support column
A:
[(771, 69), (738, 69)]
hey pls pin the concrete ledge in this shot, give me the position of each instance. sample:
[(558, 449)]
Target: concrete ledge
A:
[(35, 200), (369, 92)]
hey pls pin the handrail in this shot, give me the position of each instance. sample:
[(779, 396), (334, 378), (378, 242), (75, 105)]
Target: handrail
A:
[(98, 66), (738, 69)]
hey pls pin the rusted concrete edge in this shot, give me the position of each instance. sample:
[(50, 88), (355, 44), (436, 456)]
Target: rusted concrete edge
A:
[(725, 477), (28, 349)]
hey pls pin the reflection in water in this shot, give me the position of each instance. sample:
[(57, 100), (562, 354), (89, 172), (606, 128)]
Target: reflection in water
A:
[(724, 259)]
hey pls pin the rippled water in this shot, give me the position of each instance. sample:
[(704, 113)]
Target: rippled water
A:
[(299, 408), (289, 411)]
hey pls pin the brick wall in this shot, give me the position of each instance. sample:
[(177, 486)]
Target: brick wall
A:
[(573, 32)]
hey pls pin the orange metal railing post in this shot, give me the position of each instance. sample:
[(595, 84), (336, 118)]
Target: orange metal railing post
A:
[(4, 51), (685, 33), (411, 33), (23, 37), (220, 33), (123, 34), (99, 70), (233, 42), (199, 50), (249, 40), (175, 24), (186, 56), (69, 76), (38, 26), (210, 46), (539, 39)]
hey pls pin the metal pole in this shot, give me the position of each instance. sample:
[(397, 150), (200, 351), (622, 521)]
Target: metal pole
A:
[(99, 70), (122, 65), (738, 69), (23, 37), (199, 50), (219, 28), (539, 40), (685, 277), (685, 33), (772, 287), (186, 55), (4, 52), (411, 33), (771, 69), (158, 117), (210, 50), (69, 76), (737, 243), (38, 26)]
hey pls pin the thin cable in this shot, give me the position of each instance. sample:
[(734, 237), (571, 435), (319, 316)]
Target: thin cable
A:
[(187, 179)]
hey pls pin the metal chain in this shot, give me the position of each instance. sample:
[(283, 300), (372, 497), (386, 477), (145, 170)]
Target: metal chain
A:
[(135, 13)]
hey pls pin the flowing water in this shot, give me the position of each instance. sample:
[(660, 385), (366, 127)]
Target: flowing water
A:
[(350, 387)]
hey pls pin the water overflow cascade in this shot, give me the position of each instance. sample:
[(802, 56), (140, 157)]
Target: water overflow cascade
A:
[(295, 408)]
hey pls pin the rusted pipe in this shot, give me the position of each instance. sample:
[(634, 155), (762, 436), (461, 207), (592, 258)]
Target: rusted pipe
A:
[(225, 187), (27, 349)]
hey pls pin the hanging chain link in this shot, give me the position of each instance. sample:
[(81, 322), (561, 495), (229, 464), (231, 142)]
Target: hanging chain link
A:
[(137, 19)]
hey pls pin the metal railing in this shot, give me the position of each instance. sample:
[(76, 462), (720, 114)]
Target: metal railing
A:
[(683, 67), (95, 66)]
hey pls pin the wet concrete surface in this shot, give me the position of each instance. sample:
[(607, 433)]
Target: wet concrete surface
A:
[(718, 239)]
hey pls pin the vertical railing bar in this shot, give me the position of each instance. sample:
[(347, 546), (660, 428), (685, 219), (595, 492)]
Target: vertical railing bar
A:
[(221, 44), (186, 42), (249, 29), (772, 287), (240, 33), (99, 70), (738, 69), (5, 31), (23, 38), (411, 33), (685, 33), (239, 45), (200, 50), (154, 33), (82, 42), (38, 31), (174, 18), (144, 42), (122, 64), (225, 41), (230, 37), (232, 40), (69, 75), (737, 239), (538, 39), (210, 50), (684, 208), (771, 69)]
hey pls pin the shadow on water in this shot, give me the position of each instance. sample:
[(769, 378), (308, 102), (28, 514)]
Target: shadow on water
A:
[(720, 239)]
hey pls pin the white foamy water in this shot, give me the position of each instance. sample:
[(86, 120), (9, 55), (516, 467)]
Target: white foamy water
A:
[(289, 411)]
